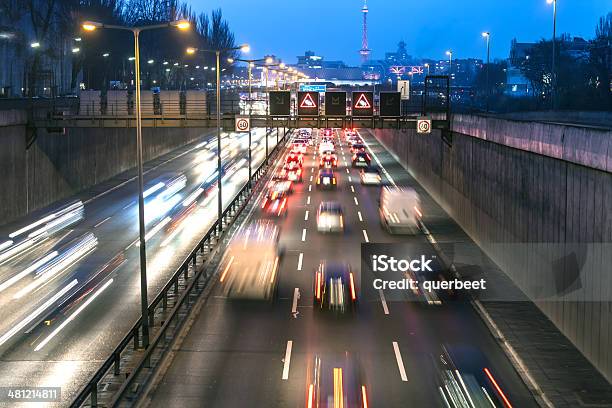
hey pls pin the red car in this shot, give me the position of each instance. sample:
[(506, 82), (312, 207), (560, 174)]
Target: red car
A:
[(328, 160), (275, 204), (295, 158)]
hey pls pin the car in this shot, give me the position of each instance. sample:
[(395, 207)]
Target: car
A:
[(336, 380), (328, 160), (326, 147), (354, 139), (361, 159), (293, 172), (295, 158), (281, 186), (299, 146), (275, 203), (249, 268), (329, 140), (358, 147), (399, 210), (334, 288), (328, 132), (330, 217), (326, 179), (370, 176)]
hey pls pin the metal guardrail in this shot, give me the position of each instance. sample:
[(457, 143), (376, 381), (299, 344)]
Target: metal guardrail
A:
[(170, 290)]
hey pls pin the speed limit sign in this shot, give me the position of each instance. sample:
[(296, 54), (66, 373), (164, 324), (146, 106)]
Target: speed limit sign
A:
[(243, 123), (423, 125)]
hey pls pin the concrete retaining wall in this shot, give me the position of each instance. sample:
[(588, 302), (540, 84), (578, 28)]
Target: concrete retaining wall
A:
[(59, 165), (546, 221)]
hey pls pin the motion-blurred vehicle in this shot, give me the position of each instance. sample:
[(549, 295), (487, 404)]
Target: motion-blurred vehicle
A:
[(293, 172), (275, 203), (330, 217), (250, 266), (358, 147), (370, 176), (326, 179), (295, 158), (280, 186), (326, 147), (328, 160), (334, 288), (299, 146), (336, 381), (328, 132), (399, 210), (354, 139), (361, 159)]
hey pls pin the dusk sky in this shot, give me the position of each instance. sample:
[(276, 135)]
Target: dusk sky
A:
[(332, 28)]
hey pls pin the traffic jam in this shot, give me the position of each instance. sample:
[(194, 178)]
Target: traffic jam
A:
[(251, 267)]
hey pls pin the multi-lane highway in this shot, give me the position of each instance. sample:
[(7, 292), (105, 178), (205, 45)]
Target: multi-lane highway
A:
[(85, 250), (395, 351)]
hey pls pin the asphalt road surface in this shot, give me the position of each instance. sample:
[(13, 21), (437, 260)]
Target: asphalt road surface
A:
[(405, 352)]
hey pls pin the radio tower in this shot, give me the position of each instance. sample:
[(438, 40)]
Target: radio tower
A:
[(364, 51)]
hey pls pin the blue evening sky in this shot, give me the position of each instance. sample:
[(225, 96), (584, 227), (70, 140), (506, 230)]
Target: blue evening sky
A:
[(332, 28)]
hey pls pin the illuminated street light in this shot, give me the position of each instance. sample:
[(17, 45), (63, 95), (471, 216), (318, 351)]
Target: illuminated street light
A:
[(150, 61), (35, 44), (269, 60), (181, 25), (105, 55), (75, 50)]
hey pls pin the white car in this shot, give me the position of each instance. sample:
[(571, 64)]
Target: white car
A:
[(370, 176), (399, 210), (329, 217), (326, 147)]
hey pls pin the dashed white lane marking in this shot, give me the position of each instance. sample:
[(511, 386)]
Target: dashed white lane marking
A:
[(350, 179), (102, 222), (355, 199), (400, 362), (310, 188), (304, 235), (352, 189), (311, 178), (308, 200), (383, 301), (306, 216), (300, 260), (296, 296), (287, 360), (347, 171), (359, 215), (365, 236), (312, 169)]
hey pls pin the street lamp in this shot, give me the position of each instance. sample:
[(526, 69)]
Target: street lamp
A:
[(554, 47), (450, 63), (427, 66), (487, 35), (35, 44), (251, 65), (191, 51), (182, 25)]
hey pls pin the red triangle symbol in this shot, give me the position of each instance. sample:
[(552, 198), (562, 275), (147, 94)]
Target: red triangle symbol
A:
[(362, 102), (308, 102)]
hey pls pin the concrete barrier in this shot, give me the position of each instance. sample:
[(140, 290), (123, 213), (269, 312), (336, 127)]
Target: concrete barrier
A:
[(537, 198), (58, 165)]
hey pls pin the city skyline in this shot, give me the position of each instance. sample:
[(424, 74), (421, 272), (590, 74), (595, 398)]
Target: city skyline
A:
[(427, 37)]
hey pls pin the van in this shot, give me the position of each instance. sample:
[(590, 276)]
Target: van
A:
[(399, 210)]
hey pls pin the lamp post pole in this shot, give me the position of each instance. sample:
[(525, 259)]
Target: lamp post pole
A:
[(487, 35), (554, 55), (219, 167), (144, 304)]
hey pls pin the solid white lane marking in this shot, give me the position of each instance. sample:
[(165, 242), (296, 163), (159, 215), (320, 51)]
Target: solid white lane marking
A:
[(400, 362), (300, 260), (296, 296), (352, 189), (359, 215), (308, 200), (356, 202), (383, 301), (304, 235), (365, 235), (306, 216), (102, 222), (287, 360)]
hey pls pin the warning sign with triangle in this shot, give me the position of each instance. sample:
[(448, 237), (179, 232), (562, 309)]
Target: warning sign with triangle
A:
[(308, 103), (363, 102)]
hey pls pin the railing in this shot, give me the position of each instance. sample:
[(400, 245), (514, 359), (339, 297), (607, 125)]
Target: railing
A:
[(170, 291)]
